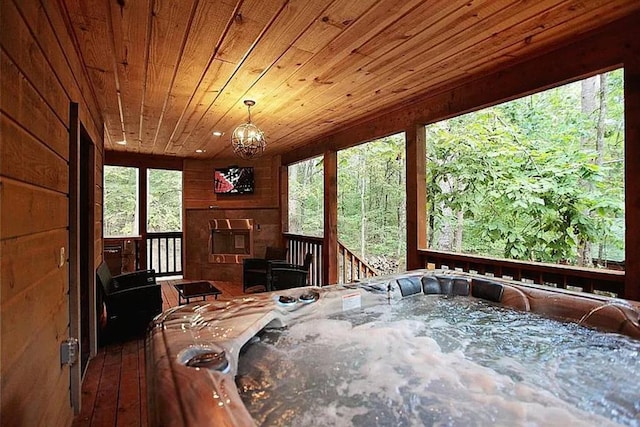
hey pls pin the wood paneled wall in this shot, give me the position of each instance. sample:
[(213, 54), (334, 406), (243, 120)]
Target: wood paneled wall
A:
[(197, 188), (41, 75)]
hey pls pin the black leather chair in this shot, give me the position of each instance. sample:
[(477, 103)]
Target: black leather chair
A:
[(254, 270), (286, 276), (131, 300)]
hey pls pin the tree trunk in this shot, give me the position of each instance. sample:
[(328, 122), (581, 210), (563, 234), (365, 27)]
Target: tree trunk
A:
[(600, 141), (402, 210), (445, 237), (602, 115), (589, 106), (457, 240), (363, 192), (293, 216)]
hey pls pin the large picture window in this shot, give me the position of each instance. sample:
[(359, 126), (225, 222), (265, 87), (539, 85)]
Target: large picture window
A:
[(540, 178)]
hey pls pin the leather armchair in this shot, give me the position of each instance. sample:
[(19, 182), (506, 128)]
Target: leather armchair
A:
[(286, 276), (131, 299), (255, 270)]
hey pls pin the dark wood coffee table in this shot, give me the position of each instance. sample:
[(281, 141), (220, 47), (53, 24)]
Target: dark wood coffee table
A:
[(188, 290)]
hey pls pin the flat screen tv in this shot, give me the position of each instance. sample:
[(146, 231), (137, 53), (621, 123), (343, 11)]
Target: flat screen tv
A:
[(233, 180)]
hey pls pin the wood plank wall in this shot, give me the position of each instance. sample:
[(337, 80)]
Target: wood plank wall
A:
[(606, 48), (197, 188), (41, 74)]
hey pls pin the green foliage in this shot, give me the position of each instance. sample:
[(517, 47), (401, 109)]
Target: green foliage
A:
[(306, 198), (120, 201), (526, 185), (372, 198), (164, 210)]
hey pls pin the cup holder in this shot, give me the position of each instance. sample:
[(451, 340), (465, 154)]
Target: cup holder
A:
[(210, 357)]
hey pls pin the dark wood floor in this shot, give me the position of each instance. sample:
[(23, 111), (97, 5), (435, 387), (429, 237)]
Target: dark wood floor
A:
[(114, 386)]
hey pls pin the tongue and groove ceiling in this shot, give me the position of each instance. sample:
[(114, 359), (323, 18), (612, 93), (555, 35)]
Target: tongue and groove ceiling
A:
[(167, 73)]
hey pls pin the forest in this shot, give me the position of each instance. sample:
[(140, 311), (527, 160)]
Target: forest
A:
[(540, 178), (371, 200)]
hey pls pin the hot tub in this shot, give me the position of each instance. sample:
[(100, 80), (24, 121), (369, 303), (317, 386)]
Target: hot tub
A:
[(413, 377)]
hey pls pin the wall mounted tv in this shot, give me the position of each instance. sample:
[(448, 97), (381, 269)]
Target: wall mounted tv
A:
[(233, 180)]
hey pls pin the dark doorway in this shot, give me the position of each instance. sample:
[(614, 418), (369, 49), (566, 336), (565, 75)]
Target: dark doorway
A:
[(82, 311), (86, 218)]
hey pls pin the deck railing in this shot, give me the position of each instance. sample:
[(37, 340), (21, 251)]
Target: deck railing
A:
[(299, 246), (560, 276), (350, 267), (164, 253)]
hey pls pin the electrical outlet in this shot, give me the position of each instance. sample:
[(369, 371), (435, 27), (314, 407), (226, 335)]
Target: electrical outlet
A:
[(69, 351), (63, 259)]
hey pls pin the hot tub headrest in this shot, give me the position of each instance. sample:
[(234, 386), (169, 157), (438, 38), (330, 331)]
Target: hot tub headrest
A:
[(434, 284), (446, 285), (431, 285), (487, 289), (410, 286)]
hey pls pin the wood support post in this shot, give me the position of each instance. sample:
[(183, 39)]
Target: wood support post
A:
[(632, 176), (416, 194), (142, 216), (284, 201), (330, 244)]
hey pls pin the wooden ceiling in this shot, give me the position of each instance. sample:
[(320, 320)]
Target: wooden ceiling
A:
[(167, 73)]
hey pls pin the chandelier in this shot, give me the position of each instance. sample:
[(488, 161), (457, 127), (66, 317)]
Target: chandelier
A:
[(248, 140)]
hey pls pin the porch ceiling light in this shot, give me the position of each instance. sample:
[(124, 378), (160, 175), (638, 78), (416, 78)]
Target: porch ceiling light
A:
[(248, 140)]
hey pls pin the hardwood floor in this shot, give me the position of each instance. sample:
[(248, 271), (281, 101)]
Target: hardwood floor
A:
[(114, 387)]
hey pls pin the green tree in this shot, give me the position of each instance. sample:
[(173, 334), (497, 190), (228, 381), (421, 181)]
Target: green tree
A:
[(164, 200), (372, 199), (120, 201), (306, 197), (516, 181)]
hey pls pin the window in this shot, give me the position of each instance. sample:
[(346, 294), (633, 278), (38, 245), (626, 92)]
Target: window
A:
[(306, 197), (120, 201), (372, 202), (164, 200), (540, 178)]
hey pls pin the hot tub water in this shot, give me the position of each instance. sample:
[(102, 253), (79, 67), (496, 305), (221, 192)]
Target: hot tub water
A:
[(436, 361)]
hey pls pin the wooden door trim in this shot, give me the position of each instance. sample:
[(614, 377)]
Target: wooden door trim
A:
[(75, 370)]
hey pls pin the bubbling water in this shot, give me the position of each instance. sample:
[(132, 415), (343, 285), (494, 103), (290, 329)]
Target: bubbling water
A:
[(435, 361)]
